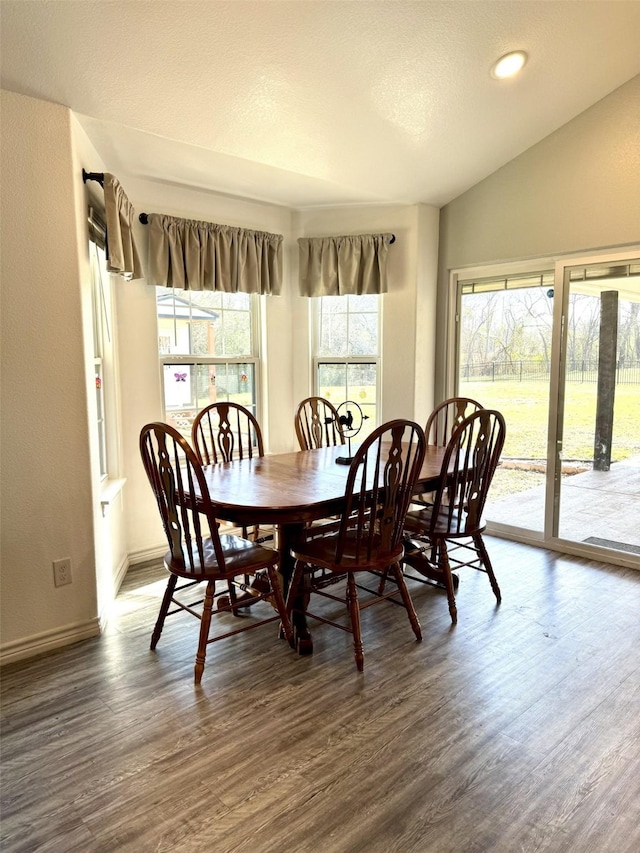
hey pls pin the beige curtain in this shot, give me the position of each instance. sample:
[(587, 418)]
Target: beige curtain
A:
[(191, 255), (336, 266), (123, 257)]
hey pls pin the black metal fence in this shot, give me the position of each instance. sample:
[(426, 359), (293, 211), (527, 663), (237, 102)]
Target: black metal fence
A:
[(522, 371)]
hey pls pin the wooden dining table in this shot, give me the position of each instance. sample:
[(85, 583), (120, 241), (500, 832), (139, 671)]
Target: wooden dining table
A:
[(289, 490)]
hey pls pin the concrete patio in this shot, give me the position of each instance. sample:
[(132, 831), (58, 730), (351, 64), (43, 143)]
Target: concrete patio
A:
[(597, 507)]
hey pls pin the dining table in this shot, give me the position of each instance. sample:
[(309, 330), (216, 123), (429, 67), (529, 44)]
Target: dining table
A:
[(290, 490)]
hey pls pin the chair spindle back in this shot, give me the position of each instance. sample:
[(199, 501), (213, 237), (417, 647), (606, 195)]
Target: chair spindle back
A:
[(175, 476), (472, 456), (226, 431), (379, 487), (317, 425), (444, 419)]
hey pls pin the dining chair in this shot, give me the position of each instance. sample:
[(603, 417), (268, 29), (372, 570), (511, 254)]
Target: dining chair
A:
[(197, 551), (317, 424), (441, 424), (222, 432), (380, 482), (447, 416), (452, 527)]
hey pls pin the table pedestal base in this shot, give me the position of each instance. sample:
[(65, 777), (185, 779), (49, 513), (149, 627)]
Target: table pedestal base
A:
[(288, 535), (419, 562)]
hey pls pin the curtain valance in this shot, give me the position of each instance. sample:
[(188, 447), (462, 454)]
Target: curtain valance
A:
[(336, 266), (122, 253), (192, 255)]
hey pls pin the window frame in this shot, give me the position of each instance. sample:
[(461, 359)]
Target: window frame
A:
[(102, 315)]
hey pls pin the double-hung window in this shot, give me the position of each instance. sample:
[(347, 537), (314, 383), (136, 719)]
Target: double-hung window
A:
[(207, 350), (101, 301), (347, 353)]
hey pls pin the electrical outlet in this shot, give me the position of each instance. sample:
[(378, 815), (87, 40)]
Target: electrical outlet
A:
[(62, 571)]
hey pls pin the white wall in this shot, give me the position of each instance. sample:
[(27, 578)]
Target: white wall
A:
[(111, 560), (427, 236), (46, 482), (578, 189)]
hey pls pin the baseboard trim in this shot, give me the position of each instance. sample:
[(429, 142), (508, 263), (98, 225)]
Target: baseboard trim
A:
[(147, 554), (565, 546), (118, 578), (121, 572), (57, 638), (47, 641)]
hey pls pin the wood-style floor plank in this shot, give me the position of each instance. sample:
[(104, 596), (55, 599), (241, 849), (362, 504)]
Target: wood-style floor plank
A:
[(518, 730)]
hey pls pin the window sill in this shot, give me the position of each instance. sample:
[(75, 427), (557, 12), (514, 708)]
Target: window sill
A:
[(109, 491)]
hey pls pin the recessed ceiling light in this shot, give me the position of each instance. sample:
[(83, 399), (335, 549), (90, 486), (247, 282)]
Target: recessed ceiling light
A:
[(509, 64)]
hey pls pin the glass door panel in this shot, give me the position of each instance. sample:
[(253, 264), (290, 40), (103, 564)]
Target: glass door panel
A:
[(597, 479), (504, 362)]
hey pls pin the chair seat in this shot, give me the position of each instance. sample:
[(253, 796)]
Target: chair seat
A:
[(321, 552), (241, 557), (452, 526)]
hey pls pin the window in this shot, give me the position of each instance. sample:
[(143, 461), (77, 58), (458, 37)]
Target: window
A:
[(347, 353), (207, 350), (102, 335)]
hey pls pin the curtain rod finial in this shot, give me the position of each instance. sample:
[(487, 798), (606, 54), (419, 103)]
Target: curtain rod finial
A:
[(93, 176), (144, 218)]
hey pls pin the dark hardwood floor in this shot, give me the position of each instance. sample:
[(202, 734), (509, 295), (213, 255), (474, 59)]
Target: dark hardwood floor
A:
[(516, 731)]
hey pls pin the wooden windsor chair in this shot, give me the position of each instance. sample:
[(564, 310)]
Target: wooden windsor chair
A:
[(452, 526), (380, 483), (198, 553)]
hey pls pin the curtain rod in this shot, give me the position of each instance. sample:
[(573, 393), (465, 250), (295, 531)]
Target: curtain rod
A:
[(144, 217), (93, 176)]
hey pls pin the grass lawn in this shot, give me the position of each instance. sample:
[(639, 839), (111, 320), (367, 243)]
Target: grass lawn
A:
[(512, 481), (525, 406)]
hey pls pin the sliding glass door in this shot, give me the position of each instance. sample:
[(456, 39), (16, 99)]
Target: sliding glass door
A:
[(504, 362), (596, 483), (556, 348)]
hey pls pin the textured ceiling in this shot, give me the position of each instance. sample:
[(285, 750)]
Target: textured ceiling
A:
[(317, 103)]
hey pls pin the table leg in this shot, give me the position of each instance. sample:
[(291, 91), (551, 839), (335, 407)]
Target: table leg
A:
[(287, 535)]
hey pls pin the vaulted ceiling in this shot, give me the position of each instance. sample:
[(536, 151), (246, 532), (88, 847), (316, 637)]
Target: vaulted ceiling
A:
[(317, 103)]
